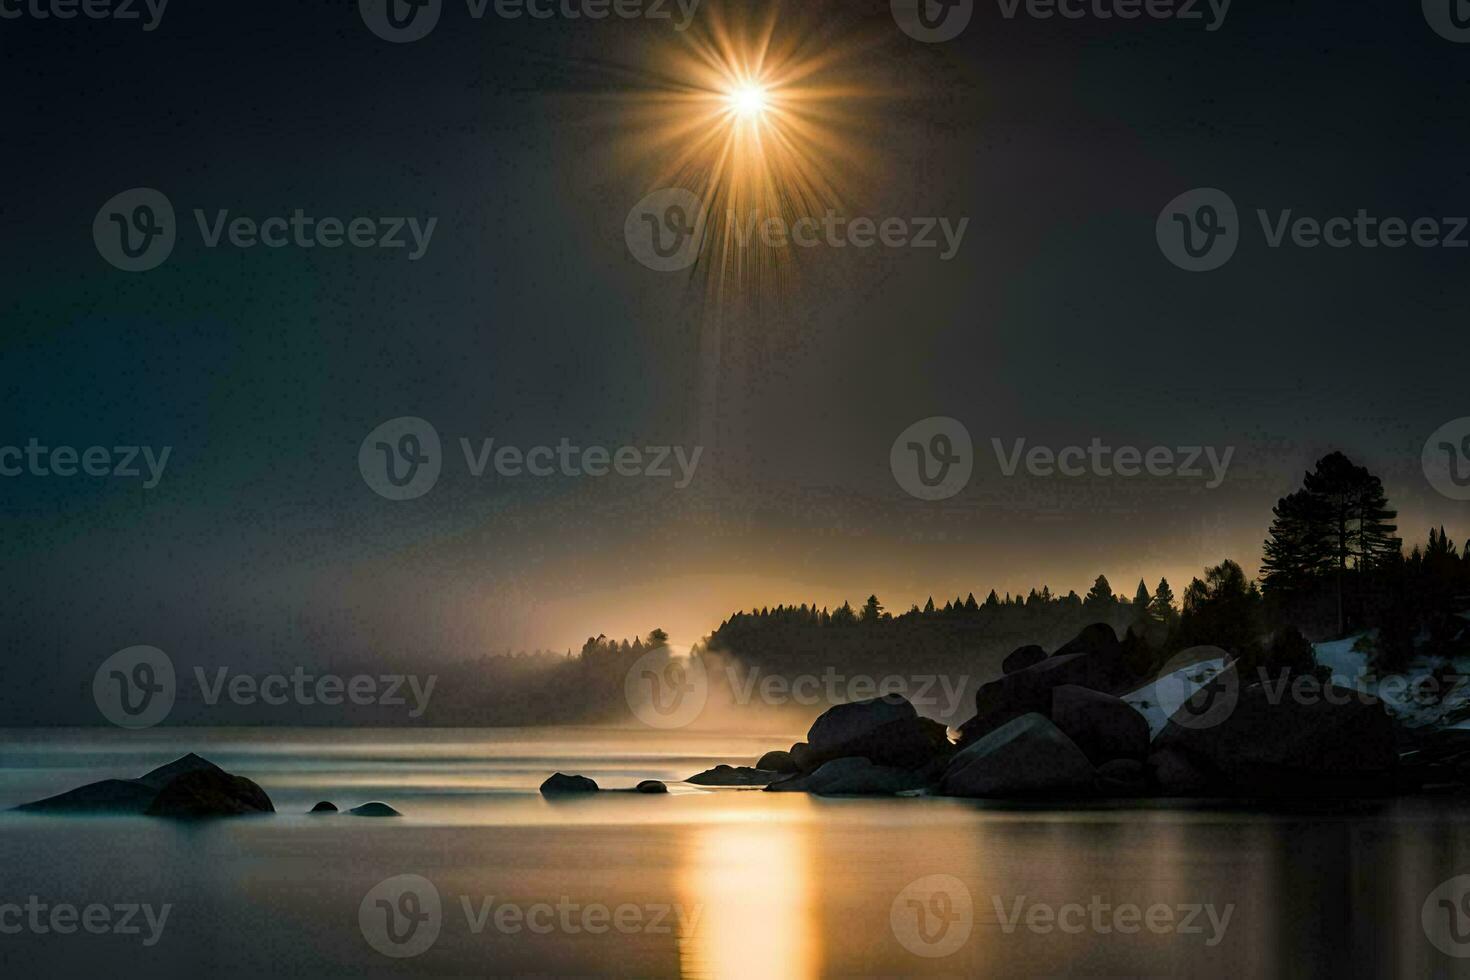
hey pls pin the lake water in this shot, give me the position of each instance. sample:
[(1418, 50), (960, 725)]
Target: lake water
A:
[(700, 883)]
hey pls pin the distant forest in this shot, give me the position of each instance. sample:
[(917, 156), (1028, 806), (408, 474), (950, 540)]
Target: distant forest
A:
[(1332, 566)]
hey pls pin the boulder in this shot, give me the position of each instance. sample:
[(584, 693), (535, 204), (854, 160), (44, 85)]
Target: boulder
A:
[(1104, 727), (886, 731), (845, 723), (324, 807), (1122, 777), (1027, 757), (1285, 738), (1021, 658), (209, 792), (801, 754), (777, 761), (651, 786), (733, 776), (374, 809), (190, 786), (558, 783), (853, 777), (1097, 640), (1028, 691)]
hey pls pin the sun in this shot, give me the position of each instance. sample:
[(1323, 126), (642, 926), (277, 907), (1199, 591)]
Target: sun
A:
[(749, 100)]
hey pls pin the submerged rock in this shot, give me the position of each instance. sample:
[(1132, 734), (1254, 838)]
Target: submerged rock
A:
[(190, 786), (325, 806), (651, 786), (559, 783), (374, 809), (1024, 758), (733, 776)]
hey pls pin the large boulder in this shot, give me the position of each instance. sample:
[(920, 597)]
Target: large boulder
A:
[(1284, 738), (651, 786), (1027, 692), (1098, 641), (886, 731), (853, 777), (723, 775), (1021, 658), (1104, 727), (559, 783), (777, 761), (1028, 757), (190, 786)]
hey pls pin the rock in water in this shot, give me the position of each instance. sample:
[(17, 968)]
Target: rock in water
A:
[(1104, 727), (1021, 658), (374, 809), (559, 783), (852, 777), (190, 786), (777, 761), (1284, 740), (651, 786), (209, 793), (732, 776), (1024, 758), (324, 806), (886, 731)]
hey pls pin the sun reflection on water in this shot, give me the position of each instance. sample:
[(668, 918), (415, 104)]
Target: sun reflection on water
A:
[(753, 886)]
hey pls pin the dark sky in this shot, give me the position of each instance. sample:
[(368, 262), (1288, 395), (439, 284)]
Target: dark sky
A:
[(528, 320)]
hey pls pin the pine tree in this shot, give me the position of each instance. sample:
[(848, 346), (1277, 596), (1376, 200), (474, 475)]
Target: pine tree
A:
[(1163, 603), (1141, 611), (1100, 597)]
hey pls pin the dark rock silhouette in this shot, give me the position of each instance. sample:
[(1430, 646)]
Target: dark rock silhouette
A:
[(801, 754), (1104, 727), (190, 786), (325, 806), (374, 809), (778, 761), (723, 775), (1173, 774), (886, 731), (651, 786), (560, 783), (854, 777), (1021, 658), (1093, 659), (1027, 757), (1275, 743), (206, 793)]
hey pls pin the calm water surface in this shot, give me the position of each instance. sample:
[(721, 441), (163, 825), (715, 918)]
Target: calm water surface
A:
[(723, 883)]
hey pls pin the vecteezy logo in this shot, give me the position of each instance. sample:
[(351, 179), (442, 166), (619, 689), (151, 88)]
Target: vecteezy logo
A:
[(1197, 687), (135, 687), (400, 21), (932, 21), (135, 230), (1199, 230), (1446, 917), (666, 691), (932, 916), (400, 917), (1449, 18), (401, 458), (1446, 459), (933, 458), (665, 230)]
